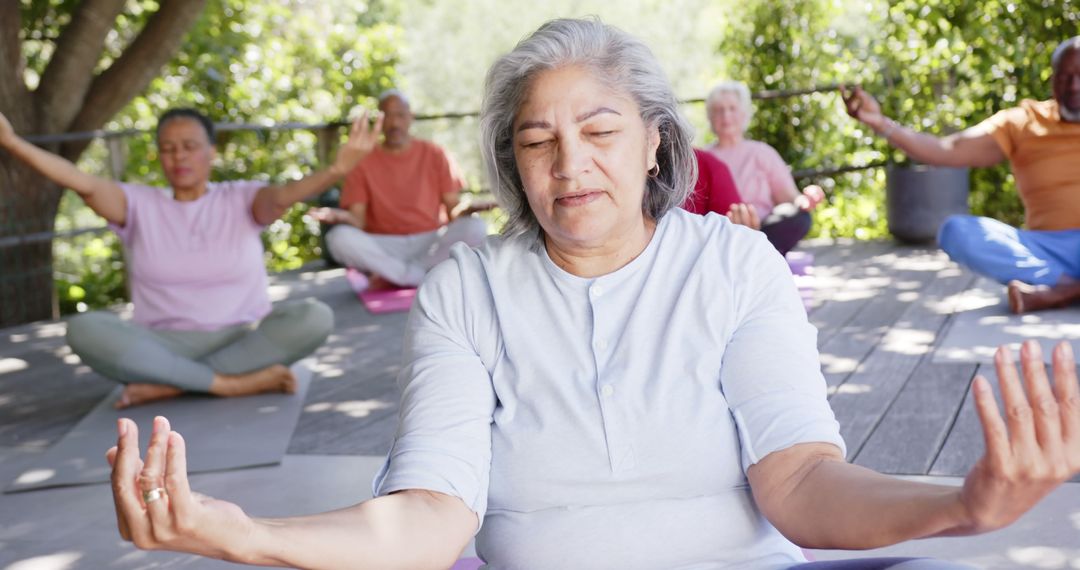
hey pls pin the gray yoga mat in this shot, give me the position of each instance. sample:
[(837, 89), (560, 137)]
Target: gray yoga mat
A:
[(982, 322), (221, 434)]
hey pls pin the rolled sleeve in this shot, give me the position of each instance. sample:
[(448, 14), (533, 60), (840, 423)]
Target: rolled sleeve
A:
[(131, 199), (1002, 127), (771, 374), (443, 442)]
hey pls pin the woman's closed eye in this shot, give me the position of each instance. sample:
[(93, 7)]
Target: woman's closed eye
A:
[(536, 143)]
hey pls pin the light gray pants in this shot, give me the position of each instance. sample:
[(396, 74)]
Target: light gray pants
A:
[(402, 259), (131, 353)]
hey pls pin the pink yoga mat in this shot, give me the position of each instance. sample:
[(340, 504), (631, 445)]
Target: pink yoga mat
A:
[(380, 300)]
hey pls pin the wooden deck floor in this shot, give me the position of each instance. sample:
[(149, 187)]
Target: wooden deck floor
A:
[(880, 309)]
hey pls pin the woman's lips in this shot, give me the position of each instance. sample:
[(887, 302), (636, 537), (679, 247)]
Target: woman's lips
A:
[(578, 199)]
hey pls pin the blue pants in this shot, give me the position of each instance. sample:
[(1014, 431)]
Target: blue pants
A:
[(1005, 253)]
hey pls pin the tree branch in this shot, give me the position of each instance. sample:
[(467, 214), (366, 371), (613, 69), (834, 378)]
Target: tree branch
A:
[(14, 97), (135, 68), (67, 78)]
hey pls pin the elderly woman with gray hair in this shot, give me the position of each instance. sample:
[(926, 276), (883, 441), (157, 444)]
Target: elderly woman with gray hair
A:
[(771, 198), (599, 387)]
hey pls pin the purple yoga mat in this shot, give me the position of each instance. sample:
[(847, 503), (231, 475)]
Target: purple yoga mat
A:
[(380, 300)]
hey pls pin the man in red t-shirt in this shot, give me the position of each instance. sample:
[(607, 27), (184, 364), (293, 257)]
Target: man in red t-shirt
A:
[(400, 207)]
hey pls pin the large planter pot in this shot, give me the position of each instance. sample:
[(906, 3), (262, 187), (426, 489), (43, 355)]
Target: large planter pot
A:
[(918, 198)]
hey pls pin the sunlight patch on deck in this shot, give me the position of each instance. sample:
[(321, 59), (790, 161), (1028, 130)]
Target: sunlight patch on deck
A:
[(9, 365), (351, 408), (57, 561)]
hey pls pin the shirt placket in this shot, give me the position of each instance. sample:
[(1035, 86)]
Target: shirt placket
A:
[(607, 387)]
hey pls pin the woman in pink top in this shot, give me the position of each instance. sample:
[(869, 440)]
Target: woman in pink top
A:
[(763, 179), (202, 317)]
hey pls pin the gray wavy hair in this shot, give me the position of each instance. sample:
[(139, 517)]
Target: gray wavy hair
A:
[(621, 61), (741, 93)]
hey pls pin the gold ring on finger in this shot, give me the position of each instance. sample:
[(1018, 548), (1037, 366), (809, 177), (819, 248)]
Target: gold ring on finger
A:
[(153, 495)]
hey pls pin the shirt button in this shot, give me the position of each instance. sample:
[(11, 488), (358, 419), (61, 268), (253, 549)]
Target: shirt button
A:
[(607, 390), (601, 344), (596, 290)]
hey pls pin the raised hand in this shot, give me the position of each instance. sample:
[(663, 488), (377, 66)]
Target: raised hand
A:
[(1035, 447), (328, 215), (155, 507), (862, 106), (362, 140), (811, 197), (744, 215)]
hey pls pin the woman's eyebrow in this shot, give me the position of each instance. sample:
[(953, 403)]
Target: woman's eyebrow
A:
[(533, 125), (597, 111), (582, 117)]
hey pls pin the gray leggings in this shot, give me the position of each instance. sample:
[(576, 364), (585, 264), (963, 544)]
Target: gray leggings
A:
[(131, 353)]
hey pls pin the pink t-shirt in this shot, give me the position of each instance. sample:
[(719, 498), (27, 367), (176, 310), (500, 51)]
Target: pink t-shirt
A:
[(194, 265), (761, 175)]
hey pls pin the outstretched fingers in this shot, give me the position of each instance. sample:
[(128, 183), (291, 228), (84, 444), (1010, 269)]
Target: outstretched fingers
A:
[(1067, 392), (126, 467), (1044, 405), (995, 431), (181, 499), (1018, 413), (152, 484)]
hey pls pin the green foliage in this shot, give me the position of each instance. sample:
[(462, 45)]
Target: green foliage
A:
[(938, 66), (810, 43), (89, 272), (949, 64)]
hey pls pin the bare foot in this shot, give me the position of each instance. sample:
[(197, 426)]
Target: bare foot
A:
[(135, 394), (1025, 298), (274, 378)]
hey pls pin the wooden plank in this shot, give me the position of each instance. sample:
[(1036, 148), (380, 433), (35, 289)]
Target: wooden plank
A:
[(352, 404), (848, 345), (862, 400), (965, 445), (843, 286), (911, 433)]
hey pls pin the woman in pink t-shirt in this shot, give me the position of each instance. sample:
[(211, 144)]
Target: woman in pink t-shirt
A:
[(202, 318), (763, 179)]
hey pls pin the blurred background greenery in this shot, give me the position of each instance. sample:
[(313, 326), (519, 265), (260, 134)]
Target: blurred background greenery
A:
[(936, 65)]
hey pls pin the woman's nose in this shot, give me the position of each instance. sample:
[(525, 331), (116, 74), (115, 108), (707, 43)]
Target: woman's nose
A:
[(571, 159)]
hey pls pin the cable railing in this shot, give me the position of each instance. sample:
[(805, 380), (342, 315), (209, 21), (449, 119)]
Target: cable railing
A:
[(327, 135)]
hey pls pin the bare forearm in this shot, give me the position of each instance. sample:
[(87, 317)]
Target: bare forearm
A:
[(865, 509), (274, 201), (404, 530), (968, 148), (56, 168)]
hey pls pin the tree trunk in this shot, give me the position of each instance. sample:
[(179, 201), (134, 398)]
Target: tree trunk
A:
[(70, 98), (26, 274)]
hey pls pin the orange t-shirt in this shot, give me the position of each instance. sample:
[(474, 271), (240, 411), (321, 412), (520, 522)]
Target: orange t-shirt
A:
[(403, 191), (1045, 156)]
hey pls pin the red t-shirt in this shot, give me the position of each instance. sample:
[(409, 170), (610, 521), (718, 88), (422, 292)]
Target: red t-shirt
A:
[(402, 190), (715, 188)]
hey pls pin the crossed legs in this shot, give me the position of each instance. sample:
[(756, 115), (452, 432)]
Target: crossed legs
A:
[(1040, 268), (235, 361), (402, 259)]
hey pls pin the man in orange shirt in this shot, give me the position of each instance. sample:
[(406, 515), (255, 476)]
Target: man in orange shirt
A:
[(394, 203), (1041, 139)]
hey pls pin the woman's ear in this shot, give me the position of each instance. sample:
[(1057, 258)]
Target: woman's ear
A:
[(653, 143)]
